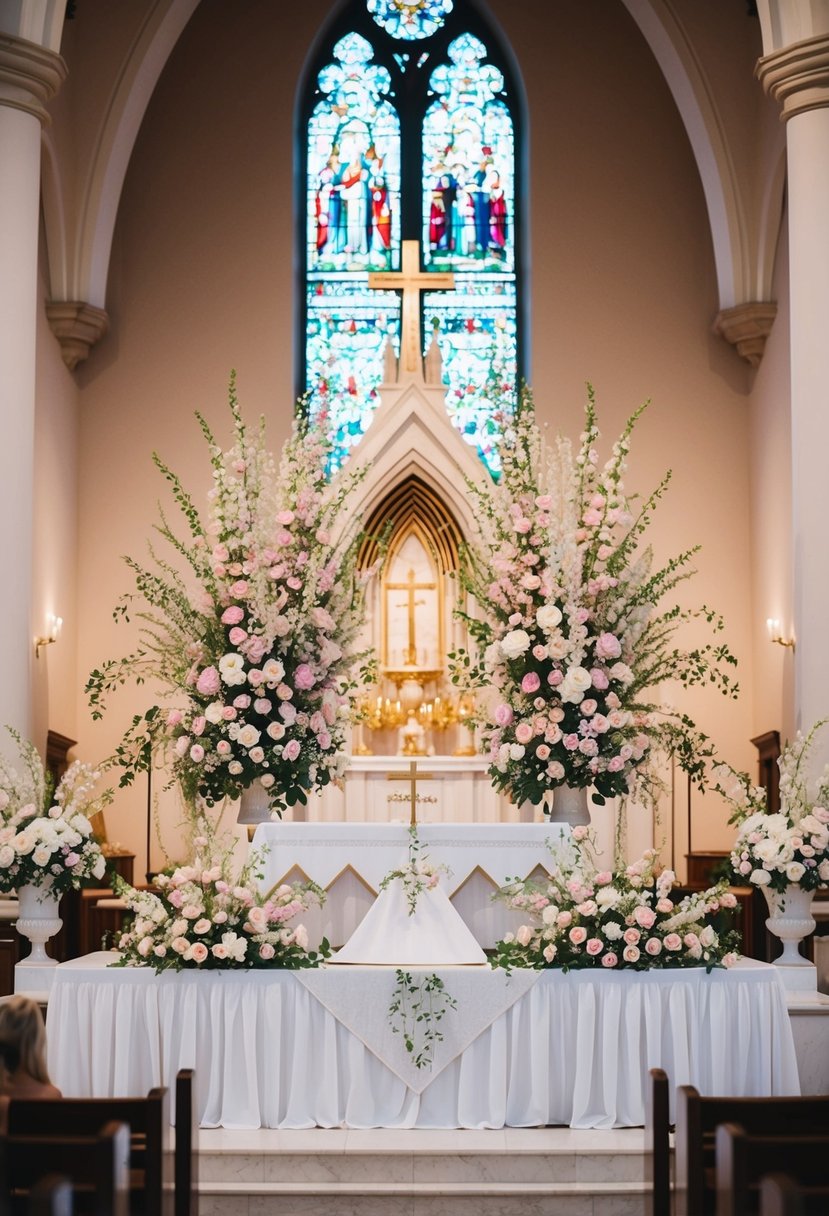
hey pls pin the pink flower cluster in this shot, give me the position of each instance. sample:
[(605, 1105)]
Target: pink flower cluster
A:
[(584, 917), (199, 918)]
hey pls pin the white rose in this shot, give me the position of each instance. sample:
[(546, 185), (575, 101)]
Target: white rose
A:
[(760, 878), (214, 712), (795, 871), (274, 672), (516, 642), (249, 736), (548, 617), (549, 914), (301, 937), (42, 855), (516, 751), (24, 842), (607, 897), (524, 935), (574, 685), (708, 936), (492, 654), (232, 669), (612, 931), (7, 856)]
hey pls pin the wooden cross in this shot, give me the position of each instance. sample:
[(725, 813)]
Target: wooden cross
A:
[(411, 776), (411, 280), (411, 603)]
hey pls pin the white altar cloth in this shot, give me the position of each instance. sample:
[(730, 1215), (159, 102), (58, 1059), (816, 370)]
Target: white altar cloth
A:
[(572, 1050), (349, 860), (323, 850)]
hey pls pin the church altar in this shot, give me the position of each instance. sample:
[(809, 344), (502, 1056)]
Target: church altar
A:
[(290, 1049), (349, 861), (456, 789)]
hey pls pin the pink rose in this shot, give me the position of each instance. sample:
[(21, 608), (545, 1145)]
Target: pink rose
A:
[(608, 646), (531, 682), (644, 917), (577, 935), (549, 952), (631, 936), (71, 859), (571, 742), (303, 677), (554, 678), (524, 935), (197, 753), (615, 764), (594, 946), (598, 678), (665, 905), (198, 724), (631, 954), (229, 713), (542, 751), (181, 745), (691, 940), (198, 952), (233, 615), (523, 732), (609, 959), (503, 715), (242, 701), (236, 636), (564, 919), (266, 951), (174, 716), (291, 750), (603, 878), (588, 707), (324, 740), (239, 590), (208, 683), (653, 946), (673, 942)]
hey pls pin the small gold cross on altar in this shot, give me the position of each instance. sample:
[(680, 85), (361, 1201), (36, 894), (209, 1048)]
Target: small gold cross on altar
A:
[(411, 280), (411, 776)]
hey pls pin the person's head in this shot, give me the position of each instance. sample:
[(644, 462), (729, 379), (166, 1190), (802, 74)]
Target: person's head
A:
[(23, 1038)]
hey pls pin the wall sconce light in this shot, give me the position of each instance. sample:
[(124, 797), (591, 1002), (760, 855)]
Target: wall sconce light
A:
[(55, 624), (775, 634)]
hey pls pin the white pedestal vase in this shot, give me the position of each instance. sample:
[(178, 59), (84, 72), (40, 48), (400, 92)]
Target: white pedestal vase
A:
[(570, 805), (38, 920), (791, 920), (254, 805)]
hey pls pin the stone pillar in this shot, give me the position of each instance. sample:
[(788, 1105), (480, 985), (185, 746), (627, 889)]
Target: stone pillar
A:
[(797, 76), (29, 76)]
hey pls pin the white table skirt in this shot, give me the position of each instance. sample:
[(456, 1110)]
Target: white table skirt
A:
[(573, 1050)]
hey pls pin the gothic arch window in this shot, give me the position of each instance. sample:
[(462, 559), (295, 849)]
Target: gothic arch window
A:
[(409, 128)]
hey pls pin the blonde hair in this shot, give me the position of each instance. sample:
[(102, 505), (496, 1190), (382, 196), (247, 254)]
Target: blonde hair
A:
[(22, 1030)]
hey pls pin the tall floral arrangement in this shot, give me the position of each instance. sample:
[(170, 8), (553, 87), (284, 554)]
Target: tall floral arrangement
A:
[(251, 640), (792, 845), (46, 837), (571, 633), (584, 917)]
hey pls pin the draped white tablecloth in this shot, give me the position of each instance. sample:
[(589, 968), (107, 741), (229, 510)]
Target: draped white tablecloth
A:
[(568, 1050)]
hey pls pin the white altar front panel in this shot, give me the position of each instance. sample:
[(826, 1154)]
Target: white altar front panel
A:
[(349, 861), (570, 1049), (458, 790)]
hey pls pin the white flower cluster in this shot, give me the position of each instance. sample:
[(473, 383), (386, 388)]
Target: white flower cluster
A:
[(52, 846)]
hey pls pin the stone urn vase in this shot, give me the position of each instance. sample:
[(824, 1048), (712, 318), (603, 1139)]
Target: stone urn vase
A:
[(791, 920), (570, 805)]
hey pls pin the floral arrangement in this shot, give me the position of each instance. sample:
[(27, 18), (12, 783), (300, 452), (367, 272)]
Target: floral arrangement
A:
[(791, 846), (255, 654), (570, 635), (46, 837), (583, 917), (419, 874), (202, 918)]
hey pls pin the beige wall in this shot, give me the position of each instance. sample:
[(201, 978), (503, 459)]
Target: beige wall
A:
[(623, 293)]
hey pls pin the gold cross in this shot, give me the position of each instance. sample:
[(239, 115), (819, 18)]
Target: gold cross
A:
[(412, 776), (411, 603), (411, 280)]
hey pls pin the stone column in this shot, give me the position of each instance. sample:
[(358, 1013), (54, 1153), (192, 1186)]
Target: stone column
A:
[(797, 76), (29, 76)]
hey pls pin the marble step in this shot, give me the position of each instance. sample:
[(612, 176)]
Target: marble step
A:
[(515, 1172)]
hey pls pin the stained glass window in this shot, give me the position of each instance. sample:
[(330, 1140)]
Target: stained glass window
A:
[(409, 21), (415, 146)]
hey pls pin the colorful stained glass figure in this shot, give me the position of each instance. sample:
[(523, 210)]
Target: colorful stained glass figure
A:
[(468, 208), (353, 179), (410, 21), (468, 165)]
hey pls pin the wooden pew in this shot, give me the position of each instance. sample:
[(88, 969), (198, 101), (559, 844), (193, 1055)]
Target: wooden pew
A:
[(148, 1121), (657, 1143), (186, 1157), (742, 1160), (51, 1196), (697, 1118), (780, 1196), (97, 1165)]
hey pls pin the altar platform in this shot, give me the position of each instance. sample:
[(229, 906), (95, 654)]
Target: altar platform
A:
[(293, 1050)]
